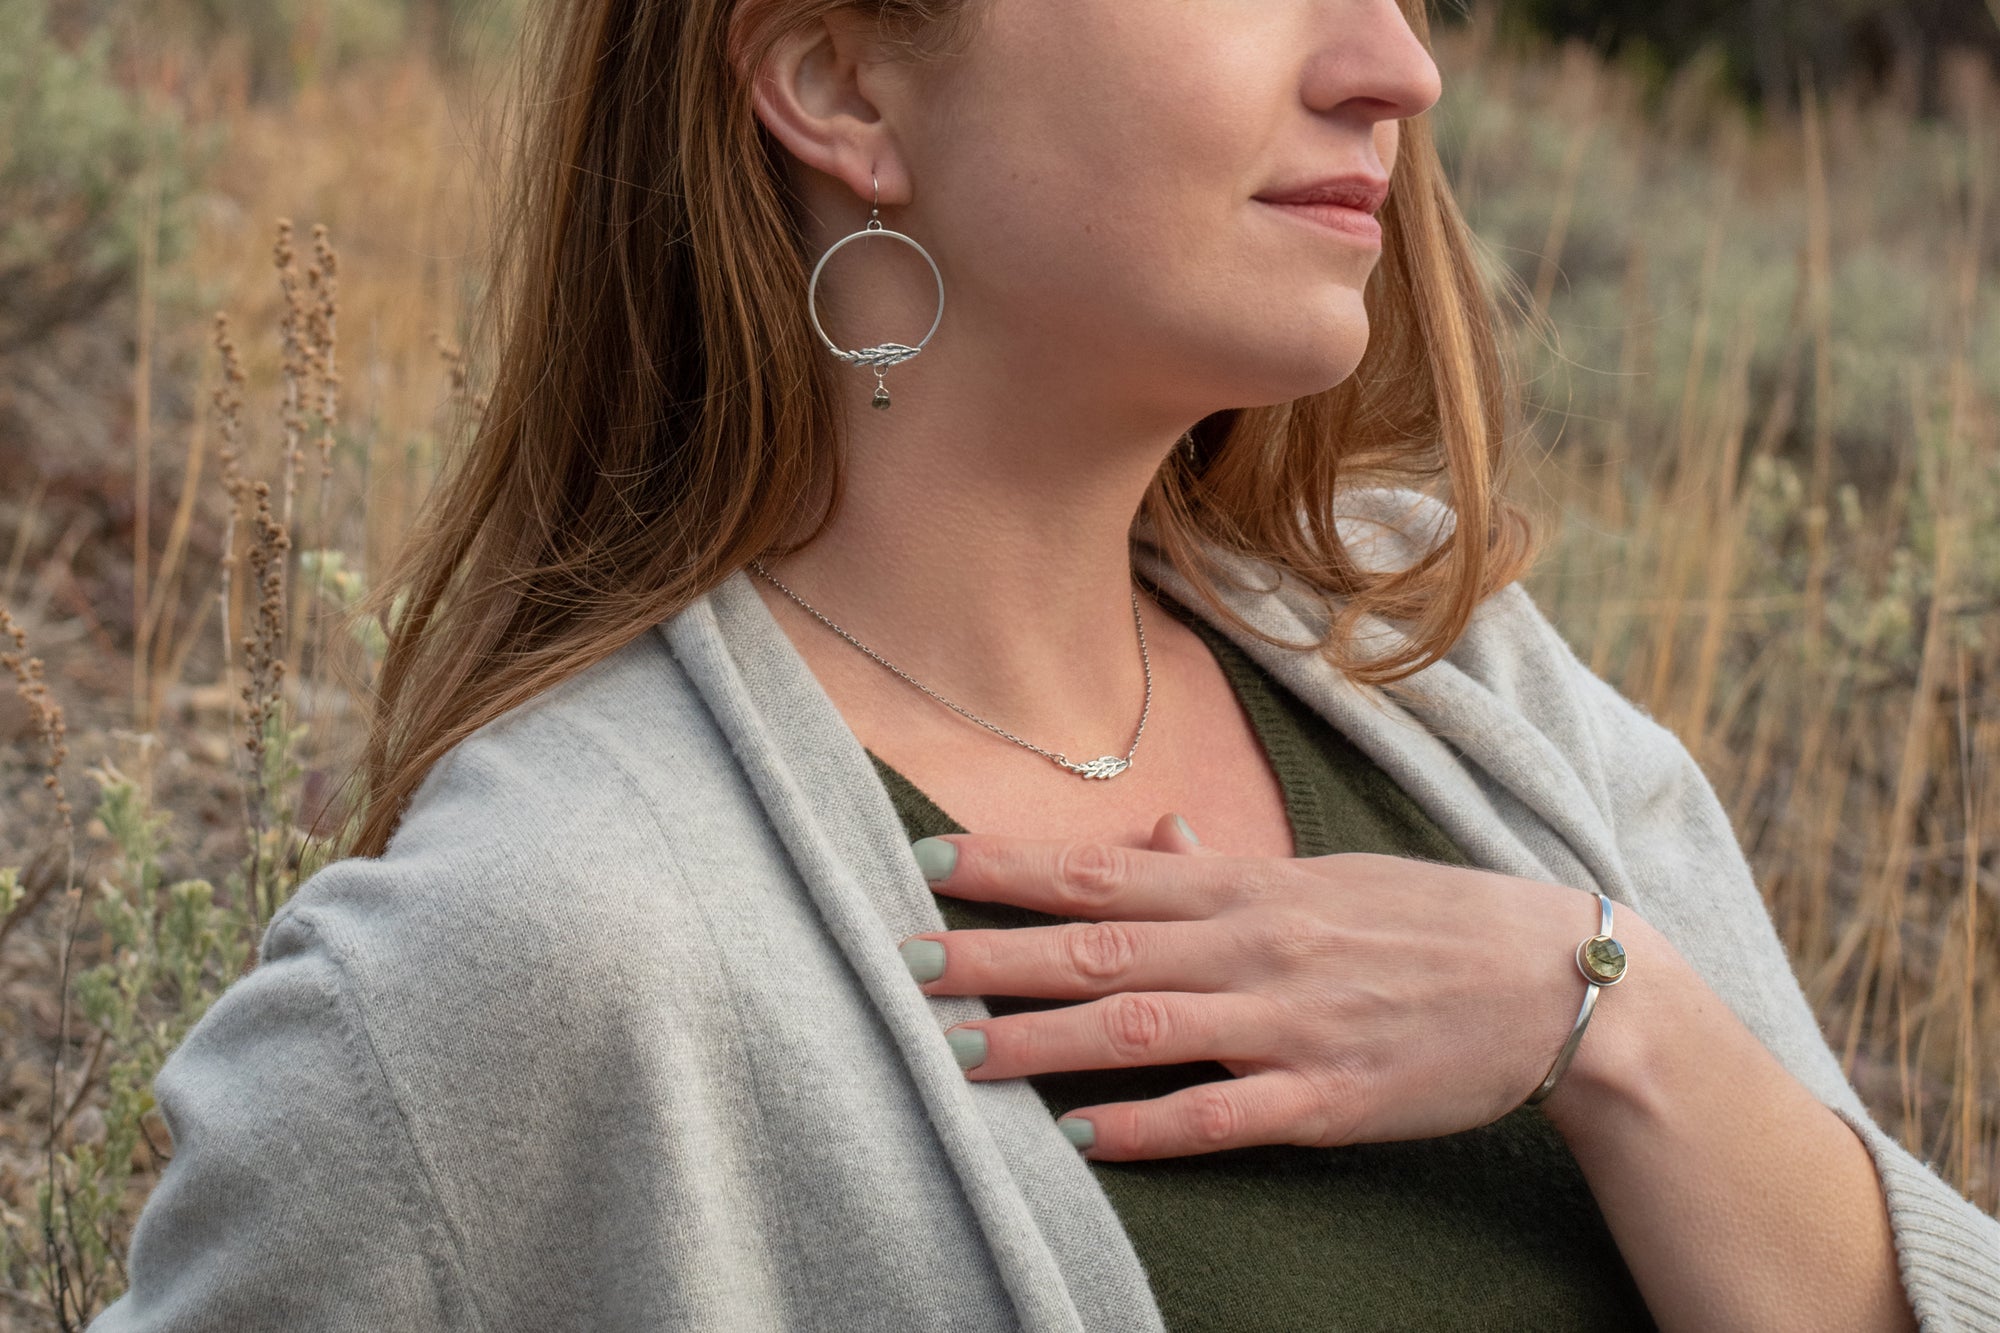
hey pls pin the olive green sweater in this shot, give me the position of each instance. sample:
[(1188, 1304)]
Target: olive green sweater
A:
[(1491, 1228)]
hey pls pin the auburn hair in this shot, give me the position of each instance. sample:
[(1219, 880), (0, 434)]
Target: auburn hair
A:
[(658, 405)]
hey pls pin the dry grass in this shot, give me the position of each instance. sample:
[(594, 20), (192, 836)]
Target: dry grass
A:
[(1779, 508)]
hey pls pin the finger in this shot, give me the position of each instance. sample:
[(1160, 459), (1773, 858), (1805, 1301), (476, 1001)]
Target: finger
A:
[(1173, 833), (1268, 1107), (1122, 1031), (1081, 960), (1070, 877)]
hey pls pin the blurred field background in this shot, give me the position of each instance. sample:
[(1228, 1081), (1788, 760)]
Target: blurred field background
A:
[(1753, 245)]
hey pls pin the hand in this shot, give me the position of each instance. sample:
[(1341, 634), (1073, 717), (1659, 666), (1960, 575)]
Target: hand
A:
[(1358, 998)]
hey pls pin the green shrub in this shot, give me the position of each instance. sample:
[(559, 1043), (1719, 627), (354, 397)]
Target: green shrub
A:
[(83, 165)]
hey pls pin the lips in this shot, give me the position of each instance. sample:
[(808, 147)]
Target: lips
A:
[(1353, 223), (1365, 193)]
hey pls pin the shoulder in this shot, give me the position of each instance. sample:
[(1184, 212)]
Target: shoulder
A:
[(592, 748), (1515, 654), (409, 1013), (1509, 646), (538, 843), (1391, 527)]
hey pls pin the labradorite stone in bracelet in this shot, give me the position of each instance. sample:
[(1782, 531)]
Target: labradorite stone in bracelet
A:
[(1603, 959)]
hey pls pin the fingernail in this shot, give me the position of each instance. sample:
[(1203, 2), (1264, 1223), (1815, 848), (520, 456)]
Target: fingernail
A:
[(969, 1045), (925, 958), (1080, 1132), (935, 856), (1186, 831)]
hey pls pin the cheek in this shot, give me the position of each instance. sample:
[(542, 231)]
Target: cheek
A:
[(1094, 170), (1104, 187)]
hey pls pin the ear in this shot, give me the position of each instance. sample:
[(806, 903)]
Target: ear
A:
[(821, 91)]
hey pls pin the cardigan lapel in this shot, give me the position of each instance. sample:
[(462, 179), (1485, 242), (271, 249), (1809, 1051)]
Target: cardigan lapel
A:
[(1060, 1248), (1534, 818)]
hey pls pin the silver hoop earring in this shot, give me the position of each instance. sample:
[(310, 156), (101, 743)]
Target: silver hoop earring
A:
[(883, 355)]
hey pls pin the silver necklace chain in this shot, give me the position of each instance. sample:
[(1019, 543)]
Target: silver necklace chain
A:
[(1105, 766)]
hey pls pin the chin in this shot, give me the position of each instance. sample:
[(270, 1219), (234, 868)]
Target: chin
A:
[(1325, 362)]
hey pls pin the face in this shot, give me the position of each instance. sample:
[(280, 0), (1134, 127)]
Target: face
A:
[(1088, 176)]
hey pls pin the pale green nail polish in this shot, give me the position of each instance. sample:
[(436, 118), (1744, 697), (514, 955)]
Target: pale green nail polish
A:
[(935, 856), (925, 959), (1081, 1133), (968, 1045), (1186, 832)]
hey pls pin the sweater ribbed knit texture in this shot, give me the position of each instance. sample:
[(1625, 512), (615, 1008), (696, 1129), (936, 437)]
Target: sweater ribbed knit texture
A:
[(1491, 1228)]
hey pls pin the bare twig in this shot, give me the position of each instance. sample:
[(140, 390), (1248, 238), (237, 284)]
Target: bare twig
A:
[(49, 725)]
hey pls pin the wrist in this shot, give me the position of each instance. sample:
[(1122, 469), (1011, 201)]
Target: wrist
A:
[(1619, 1069)]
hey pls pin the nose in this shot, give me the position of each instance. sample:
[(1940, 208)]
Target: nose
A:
[(1371, 61)]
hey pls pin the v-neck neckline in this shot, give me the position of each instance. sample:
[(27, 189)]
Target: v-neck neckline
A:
[(1305, 806)]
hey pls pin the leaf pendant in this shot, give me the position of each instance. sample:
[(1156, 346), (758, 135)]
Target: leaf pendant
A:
[(1105, 766)]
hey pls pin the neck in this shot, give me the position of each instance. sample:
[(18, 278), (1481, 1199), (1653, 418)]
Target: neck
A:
[(992, 563)]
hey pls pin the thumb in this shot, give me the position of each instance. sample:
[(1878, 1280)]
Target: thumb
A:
[(1173, 834)]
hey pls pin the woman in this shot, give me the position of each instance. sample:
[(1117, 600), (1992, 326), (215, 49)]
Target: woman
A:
[(658, 996)]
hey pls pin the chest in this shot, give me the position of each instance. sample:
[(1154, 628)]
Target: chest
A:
[(1200, 757)]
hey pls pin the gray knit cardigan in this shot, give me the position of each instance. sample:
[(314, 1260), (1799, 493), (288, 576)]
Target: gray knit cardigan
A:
[(615, 1035)]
